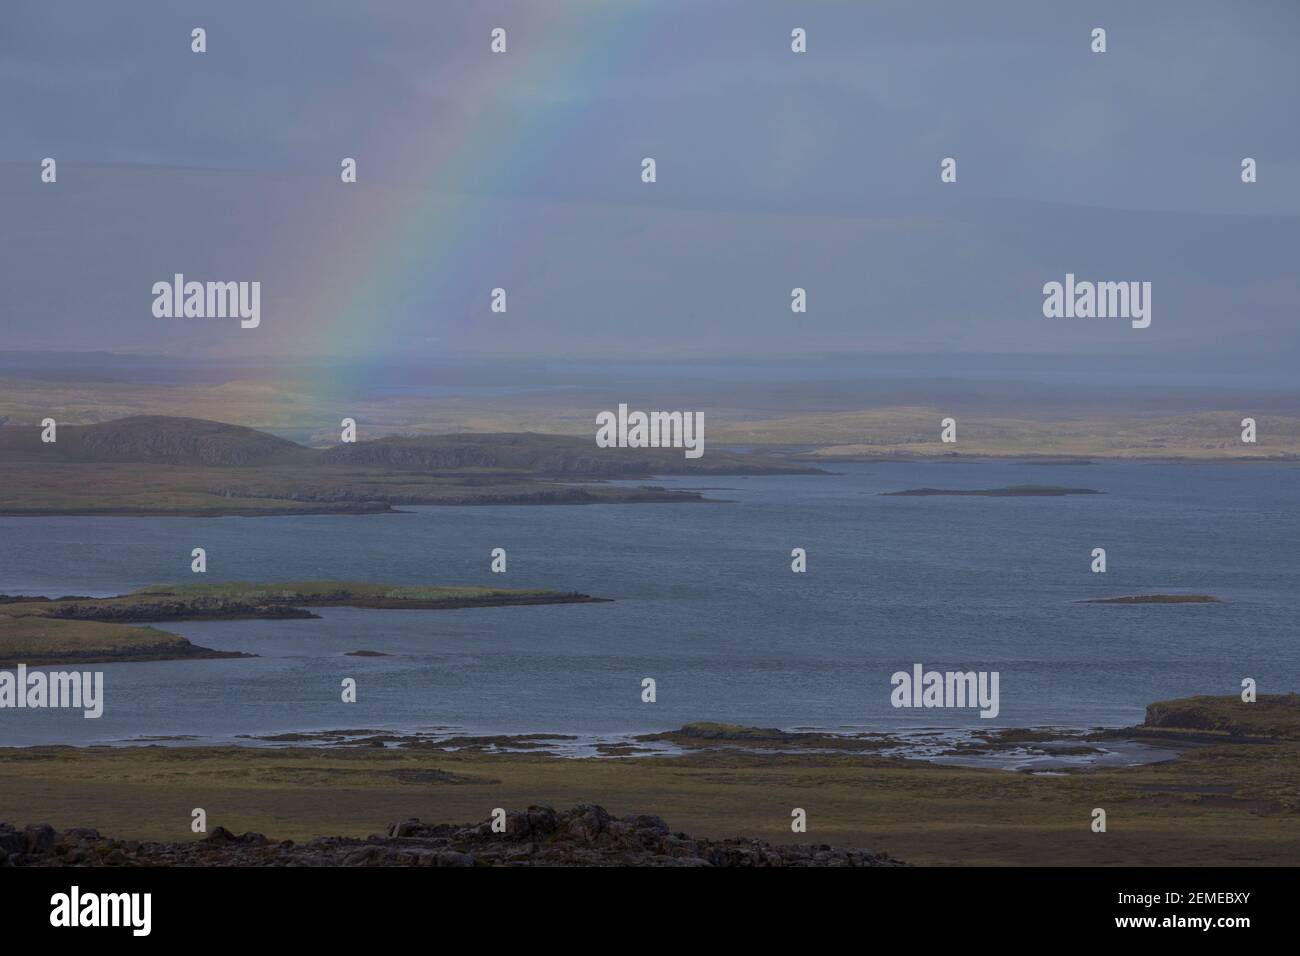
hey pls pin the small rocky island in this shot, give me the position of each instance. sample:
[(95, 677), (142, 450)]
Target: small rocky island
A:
[(1156, 599), (1011, 491)]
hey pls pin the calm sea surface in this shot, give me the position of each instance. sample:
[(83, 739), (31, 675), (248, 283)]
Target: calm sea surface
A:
[(705, 603)]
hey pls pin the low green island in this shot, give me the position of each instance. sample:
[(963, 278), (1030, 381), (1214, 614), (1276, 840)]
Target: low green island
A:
[(38, 630), (38, 641)]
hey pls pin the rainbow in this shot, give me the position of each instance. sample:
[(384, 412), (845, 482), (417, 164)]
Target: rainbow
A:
[(411, 240)]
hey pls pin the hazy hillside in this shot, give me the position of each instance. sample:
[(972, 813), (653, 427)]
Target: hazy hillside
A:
[(165, 465), (163, 439), (550, 455), (153, 438)]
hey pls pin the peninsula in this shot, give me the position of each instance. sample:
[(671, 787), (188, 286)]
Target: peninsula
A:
[(38, 630), (161, 465)]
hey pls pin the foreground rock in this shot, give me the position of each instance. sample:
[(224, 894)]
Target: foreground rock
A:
[(539, 836)]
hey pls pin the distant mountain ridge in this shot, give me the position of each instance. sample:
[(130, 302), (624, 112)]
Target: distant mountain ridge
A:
[(196, 442)]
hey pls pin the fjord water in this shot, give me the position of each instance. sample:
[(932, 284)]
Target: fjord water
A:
[(706, 604)]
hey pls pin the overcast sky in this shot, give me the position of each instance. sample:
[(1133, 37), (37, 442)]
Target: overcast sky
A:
[(775, 170)]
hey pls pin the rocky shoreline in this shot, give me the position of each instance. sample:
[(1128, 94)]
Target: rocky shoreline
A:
[(1031, 750), (1169, 729), (1227, 790), (586, 835)]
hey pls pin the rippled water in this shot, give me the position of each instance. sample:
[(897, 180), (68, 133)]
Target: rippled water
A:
[(706, 604)]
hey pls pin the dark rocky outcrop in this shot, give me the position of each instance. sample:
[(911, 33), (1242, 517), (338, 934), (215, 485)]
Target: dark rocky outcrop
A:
[(1270, 717), (584, 836)]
